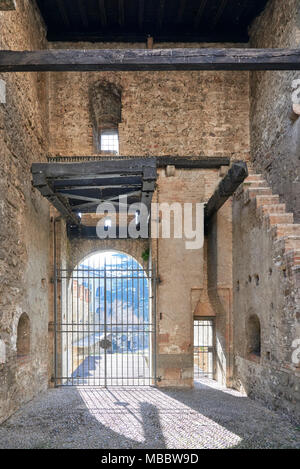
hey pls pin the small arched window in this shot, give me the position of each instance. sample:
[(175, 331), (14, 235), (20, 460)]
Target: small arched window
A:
[(254, 335), (105, 108), (23, 336)]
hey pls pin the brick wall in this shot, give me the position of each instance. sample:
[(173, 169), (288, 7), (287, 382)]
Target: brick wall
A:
[(163, 113)]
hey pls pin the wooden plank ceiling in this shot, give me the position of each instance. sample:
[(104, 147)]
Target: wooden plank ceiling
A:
[(164, 20), (75, 188)]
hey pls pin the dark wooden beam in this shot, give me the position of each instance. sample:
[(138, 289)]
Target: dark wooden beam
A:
[(121, 13), (57, 182), (40, 182), (227, 186), (149, 59), (161, 162), (101, 168), (219, 12), (114, 35), (63, 13), (85, 187), (131, 181), (160, 16), (199, 13), (102, 12), (193, 162), (181, 11), (83, 14), (141, 13)]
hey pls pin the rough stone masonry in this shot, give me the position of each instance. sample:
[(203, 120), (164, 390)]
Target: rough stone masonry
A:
[(249, 265)]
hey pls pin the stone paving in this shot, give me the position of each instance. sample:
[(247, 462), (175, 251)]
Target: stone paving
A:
[(143, 417)]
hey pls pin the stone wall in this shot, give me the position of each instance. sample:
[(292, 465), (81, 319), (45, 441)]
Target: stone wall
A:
[(24, 216), (163, 113), (275, 131)]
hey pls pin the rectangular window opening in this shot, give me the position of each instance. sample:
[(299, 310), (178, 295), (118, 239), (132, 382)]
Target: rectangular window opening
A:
[(109, 141)]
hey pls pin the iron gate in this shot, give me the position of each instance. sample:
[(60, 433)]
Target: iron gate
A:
[(204, 349), (105, 324)]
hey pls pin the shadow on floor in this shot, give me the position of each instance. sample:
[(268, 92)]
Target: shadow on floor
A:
[(146, 418)]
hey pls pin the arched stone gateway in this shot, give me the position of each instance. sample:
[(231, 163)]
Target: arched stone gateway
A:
[(105, 331)]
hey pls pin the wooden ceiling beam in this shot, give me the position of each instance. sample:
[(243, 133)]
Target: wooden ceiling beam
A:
[(181, 11), (161, 161), (121, 13), (141, 13), (161, 11), (219, 13), (199, 13), (97, 169), (83, 14), (83, 187), (63, 13), (115, 35), (236, 174), (149, 60), (102, 12)]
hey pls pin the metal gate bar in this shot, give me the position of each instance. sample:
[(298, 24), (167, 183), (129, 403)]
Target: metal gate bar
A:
[(105, 324), (204, 349)]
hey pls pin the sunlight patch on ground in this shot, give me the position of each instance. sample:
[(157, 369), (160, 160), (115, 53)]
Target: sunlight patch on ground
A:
[(125, 411)]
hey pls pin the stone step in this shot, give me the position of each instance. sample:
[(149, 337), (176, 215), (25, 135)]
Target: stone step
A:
[(252, 192), (266, 200), (282, 230), (272, 208), (255, 187), (254, 184), (288, 242), (280, 218), (253, 175)]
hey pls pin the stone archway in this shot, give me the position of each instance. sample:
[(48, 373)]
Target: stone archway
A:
[(107, 332)]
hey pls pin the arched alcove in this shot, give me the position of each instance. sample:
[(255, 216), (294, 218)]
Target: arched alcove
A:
[(105, 109), (23, 337), (253, 332)]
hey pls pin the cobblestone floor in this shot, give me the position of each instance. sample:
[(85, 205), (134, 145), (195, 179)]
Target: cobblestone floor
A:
[(205, 417)]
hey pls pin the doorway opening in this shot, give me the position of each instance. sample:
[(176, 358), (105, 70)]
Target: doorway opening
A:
[(204, 348), (105, 327)]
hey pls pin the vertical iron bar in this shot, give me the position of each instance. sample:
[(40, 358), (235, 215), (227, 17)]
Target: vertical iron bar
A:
[(66, 373), (154, 320), (88, 324), (105, 364), (122, 321), (71, 330), (55, 306), (131, 321), (143, 341)]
